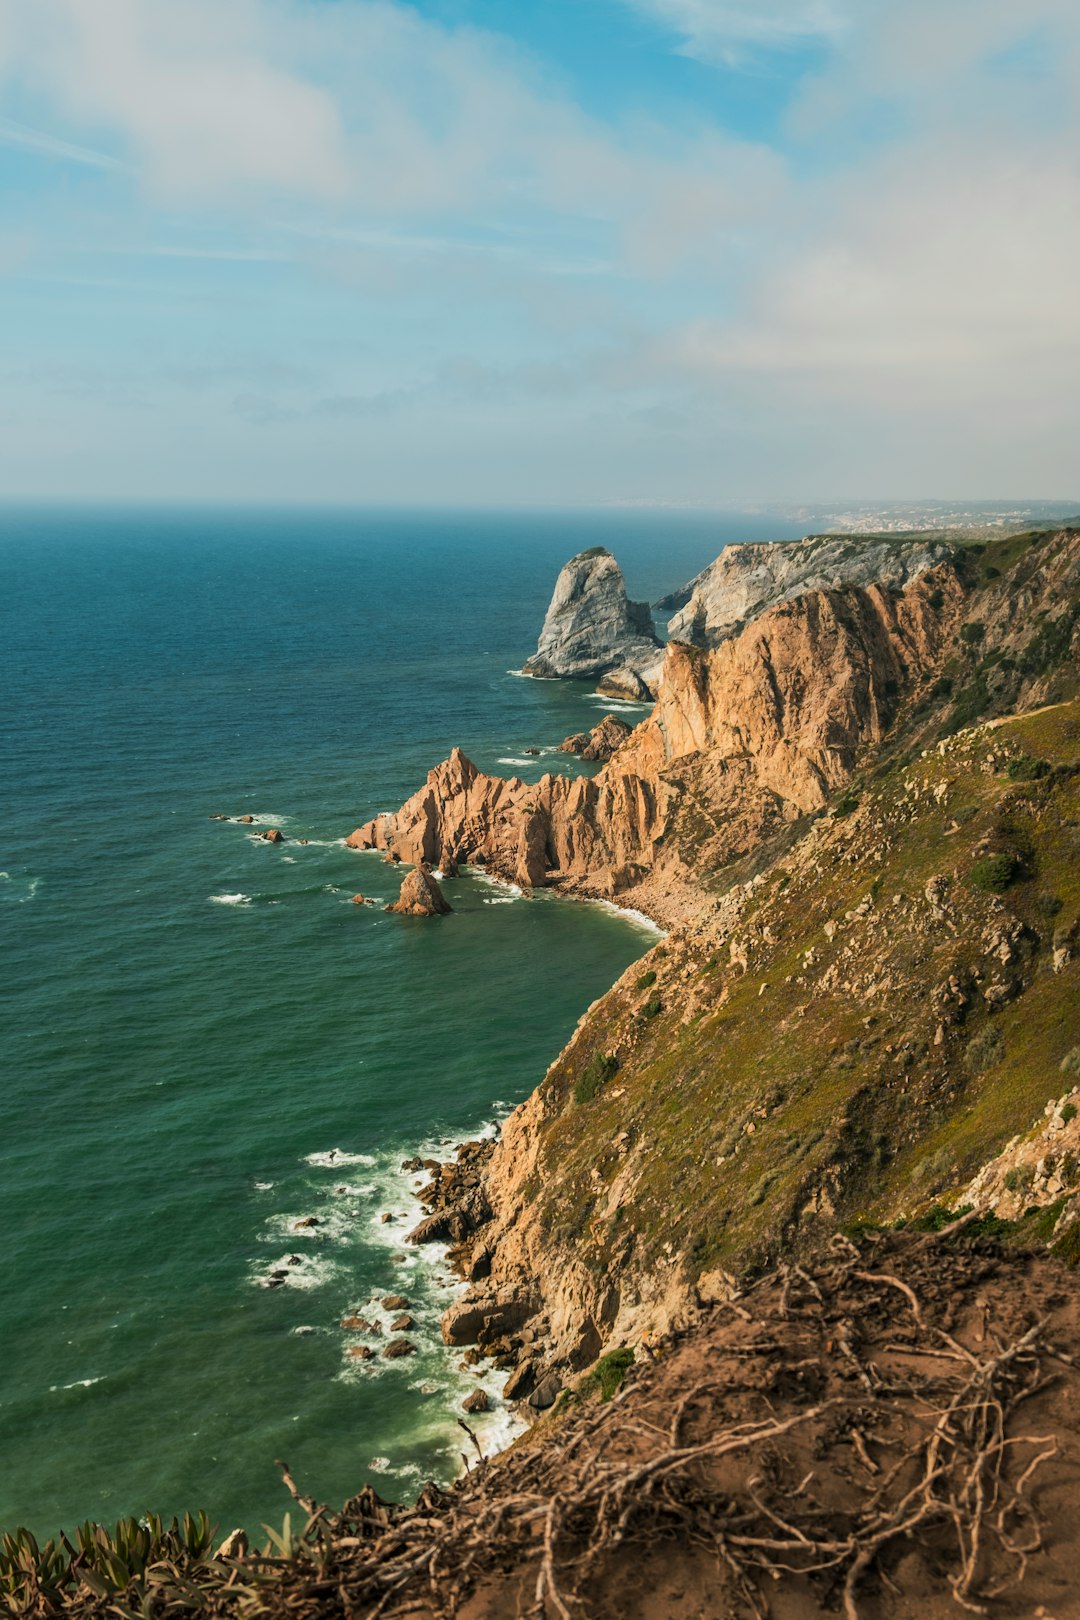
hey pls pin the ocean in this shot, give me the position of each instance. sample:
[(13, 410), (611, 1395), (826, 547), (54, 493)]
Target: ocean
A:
[(205, 1041)]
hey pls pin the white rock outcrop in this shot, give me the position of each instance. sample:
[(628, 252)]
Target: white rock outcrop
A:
[(593, 630), (747, 578)]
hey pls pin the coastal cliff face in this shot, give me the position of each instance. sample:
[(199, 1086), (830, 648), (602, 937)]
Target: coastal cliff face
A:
[(747, 579), (744, 738), (855, 1010), (592, 630)]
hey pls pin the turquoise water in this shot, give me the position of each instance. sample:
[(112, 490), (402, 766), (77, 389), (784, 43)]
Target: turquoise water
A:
[(194, 1020)]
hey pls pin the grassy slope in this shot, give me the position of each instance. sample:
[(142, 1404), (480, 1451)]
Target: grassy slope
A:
[(751, 1096)]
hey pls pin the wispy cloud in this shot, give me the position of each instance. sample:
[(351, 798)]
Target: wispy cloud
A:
[(718, 30), (218, 255), (28, 139)]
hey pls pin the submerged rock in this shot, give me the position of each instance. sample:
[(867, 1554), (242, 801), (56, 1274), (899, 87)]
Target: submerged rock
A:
[(420, 896), (592, 627)]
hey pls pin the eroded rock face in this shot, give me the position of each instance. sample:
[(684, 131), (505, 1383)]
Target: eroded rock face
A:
[(420, 897), (743, 737), (592, 629), (601, 742), (747, 579)]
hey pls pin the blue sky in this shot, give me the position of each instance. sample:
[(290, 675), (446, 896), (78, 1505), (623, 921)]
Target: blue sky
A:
[(522, 252)]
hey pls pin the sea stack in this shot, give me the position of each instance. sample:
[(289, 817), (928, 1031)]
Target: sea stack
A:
[(420, 896), (593, 631)]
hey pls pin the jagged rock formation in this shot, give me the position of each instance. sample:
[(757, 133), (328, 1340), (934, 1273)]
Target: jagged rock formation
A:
[(420, 896), (850, 1033), (592, 629), (604, 740), (788, 1054), (747, 579), (743, 738)]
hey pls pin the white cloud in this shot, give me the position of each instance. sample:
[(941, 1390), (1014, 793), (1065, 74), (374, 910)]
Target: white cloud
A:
[(371, 112), (192, 90), (720, 31), (27, 139)]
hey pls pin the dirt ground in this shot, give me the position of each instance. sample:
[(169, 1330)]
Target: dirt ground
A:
[(891, 1434)]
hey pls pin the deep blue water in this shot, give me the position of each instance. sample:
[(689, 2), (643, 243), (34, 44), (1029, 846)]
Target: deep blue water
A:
[(191, 1016)]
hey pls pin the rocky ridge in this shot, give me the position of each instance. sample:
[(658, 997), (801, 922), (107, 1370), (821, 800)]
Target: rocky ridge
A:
[(592, 630), (748, 578), (744, 739), (599, 743), (664, 1152)]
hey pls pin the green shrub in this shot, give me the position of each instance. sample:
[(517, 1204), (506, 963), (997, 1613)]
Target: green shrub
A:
[(1067, 1247), (847, 803), (608, 1374), (971, 704), (1027, 769), (1068, 1113), (984, 1049), (1050, 646), (1019, 1178), (937, 1217), (600, 1068), (972, 634), (653, 1006), (994, 873), (646, 980)]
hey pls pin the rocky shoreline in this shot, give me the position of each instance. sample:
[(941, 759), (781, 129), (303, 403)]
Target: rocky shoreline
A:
[(762, 804)]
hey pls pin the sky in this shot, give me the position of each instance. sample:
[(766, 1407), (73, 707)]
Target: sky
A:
[(539, 252)]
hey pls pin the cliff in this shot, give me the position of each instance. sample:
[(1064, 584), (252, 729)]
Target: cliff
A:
[(744, 738), (809, 1045), (747, 579), (765, 1253), (593, 630)]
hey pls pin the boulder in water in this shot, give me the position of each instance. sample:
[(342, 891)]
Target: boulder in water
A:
[(399, 1347), (420, 896)]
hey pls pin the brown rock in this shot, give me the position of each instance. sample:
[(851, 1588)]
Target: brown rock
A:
[(395, 1302), (520, 1383), (420, 896), (305, 1222), (247, 820), (402, 1324), (359, 900), (467, 1321), (361, 1352), (604, 740), (758, 730), (546, 1392), (360, 1324), (398, 1348), (385, 1218), (478, 1401), (272, 836)]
